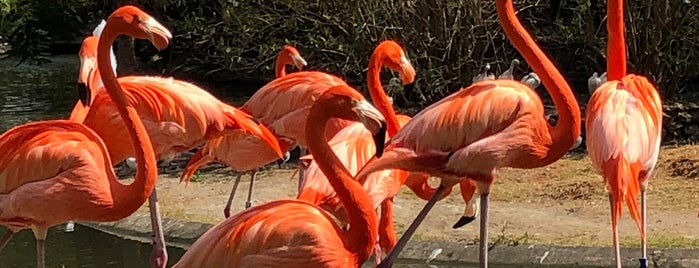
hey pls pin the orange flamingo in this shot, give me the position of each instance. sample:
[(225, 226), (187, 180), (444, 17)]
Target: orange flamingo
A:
[(623, 122), (59, 170), (89, 79), (488, 125), (243, 153), (294, 233), (283, 105), (354, 147), (178, 116)]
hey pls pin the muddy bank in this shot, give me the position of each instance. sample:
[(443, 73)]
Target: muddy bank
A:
[(181, 233)]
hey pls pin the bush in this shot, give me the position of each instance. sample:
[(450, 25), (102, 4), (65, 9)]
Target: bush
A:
[(447, 41)]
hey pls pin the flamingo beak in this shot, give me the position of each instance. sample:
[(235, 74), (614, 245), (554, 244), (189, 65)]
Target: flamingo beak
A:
[(374, 121), (157, 33), (407, 73), (380, 139), (299, 61), (84, 94)]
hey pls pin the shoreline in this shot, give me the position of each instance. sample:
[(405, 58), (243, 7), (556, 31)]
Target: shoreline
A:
[(182, 233)]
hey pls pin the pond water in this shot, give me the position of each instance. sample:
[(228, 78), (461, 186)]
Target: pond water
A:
[(30, 93)]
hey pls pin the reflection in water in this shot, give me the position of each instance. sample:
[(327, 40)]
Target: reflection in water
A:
[(29, 93), (85, 247)]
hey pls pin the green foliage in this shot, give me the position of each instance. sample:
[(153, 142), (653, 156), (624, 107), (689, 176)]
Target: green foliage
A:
[(30, 25)]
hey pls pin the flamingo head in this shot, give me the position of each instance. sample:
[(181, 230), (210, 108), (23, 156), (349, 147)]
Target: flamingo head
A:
[(394, 57), (137, 23), (349, 104), (291, 56)]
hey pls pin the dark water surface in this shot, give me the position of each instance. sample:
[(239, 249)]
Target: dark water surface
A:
[(30, 93)]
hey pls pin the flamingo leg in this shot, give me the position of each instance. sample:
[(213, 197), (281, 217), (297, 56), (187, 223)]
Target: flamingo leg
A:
[(644, 244), (615, 230), (248, 204), (40, 258), (302, 170), (159, 256), (227, 209), (387, 234), (483, 243), (6, 238), (388, 261), (40, 235)]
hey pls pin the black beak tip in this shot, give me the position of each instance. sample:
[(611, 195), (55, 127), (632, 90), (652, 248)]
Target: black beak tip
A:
[(409, 87), (463, 221), (380, 139), (84, 94)]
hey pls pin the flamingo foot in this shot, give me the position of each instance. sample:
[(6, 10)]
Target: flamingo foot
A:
[(644, 263), (463, 221), (158, 258)]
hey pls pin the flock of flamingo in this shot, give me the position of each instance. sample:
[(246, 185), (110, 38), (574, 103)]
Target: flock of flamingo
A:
[(58, 171)]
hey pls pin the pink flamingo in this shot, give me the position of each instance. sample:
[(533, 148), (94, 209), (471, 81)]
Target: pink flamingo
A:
[(59, 170), (243, 153), (623, 122), (178, 116), (488, 125)]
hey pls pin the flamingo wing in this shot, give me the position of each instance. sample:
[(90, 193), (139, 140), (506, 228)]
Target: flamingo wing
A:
[(624, 119), (486, 125), (288, 93), (178, 116), (623, 124)]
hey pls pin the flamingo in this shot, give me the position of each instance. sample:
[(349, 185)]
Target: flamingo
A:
[(623, 122), (178, 116), (353, 146), (283, 105), (243, 153), (59, 170), (488, 125), (89, 78), (294, 233)]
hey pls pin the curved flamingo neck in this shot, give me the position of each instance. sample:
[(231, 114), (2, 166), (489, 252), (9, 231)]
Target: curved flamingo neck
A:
[(127, 199), (564, 134), (377, 93), (616, 46), (280, 66), (363, 230)]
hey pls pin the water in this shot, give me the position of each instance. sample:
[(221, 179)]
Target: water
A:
[(31, 93)]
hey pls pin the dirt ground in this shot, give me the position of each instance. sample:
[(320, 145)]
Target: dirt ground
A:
[(562, 204)]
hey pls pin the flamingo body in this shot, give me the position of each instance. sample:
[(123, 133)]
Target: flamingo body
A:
[(178, 116), (61, 165)]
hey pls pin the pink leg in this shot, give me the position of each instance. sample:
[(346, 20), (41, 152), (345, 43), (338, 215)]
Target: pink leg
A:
[(483, 244), (302, 170), (388, 261), (227, 209), (377, 254), (644, 244), (248, 203), (159, 256), (40, 256), (6, 238), (615, 230)]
